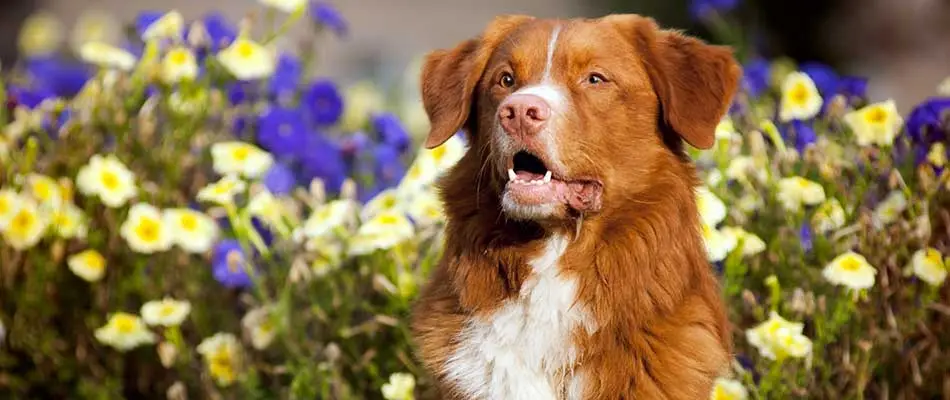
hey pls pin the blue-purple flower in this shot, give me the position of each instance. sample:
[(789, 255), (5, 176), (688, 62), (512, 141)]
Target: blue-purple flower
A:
[(700, 9), (928, 122), (280, 179), (389, 168), (220, 31), (229, 266), (802, 132), (282, 131), (286, 76), (825, 78), (391, 131), (58, 76), (326, 15), (321, 158), (324, 102), (756, 76)]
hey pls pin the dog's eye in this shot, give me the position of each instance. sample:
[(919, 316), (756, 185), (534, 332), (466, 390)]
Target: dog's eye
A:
[(506, 80), (595, 79)]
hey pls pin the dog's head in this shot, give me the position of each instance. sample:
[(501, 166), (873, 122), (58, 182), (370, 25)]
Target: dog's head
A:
[(568, 118)]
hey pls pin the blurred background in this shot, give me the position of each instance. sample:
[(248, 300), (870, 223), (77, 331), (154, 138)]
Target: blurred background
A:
[(902, 46)]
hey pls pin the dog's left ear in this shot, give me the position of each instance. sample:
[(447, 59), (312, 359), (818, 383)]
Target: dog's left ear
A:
[(694, 81)]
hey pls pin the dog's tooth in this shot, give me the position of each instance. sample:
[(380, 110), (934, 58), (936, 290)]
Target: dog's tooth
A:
[(547, 177), (511, 175)]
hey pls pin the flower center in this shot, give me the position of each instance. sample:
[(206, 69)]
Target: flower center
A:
[(876, 115), (850, 264), (934, 256), (22, 222), (42, 190), (94, 261), (4, 205), (438, 153), (124, 324), (109, 179), (245, 49), (148, 230), (799, 94), (178, 57), (189, 222), (224, 188), (388, 220), (241, 153), (167, 310)]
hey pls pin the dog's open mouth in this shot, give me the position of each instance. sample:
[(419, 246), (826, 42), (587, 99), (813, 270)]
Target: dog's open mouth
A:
[(531, 183)]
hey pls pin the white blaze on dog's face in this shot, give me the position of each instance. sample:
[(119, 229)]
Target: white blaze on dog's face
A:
[(566, 116)]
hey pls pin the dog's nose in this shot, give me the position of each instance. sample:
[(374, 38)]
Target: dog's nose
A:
[(524, 114)]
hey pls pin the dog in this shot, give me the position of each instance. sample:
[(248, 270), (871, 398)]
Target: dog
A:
[(573, 265)]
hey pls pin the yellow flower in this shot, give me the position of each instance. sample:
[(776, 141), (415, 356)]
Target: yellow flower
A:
[(95, 26), (793, 192), (851, 270), (165, 312), (800, 98), (711, 210), (124, 332), (718, 244), (259, 323), (179, 65), (937, 156), (45, 190), (329, 217), (875, 124), (890, 209), (145, 231), (88, 265), (9, 205), (386, 200), (929, 266), (287, 6), (778, 338), (169, 26), (193, 231), (222, 354), (728, 389), (69, 222), (361, 100), (386, 230), (401, 386), (223, 191), (107, 178), (240, 158), (107, 56), (751, 243), (247, 60), (41, 33), (828, 217), (26, 226)]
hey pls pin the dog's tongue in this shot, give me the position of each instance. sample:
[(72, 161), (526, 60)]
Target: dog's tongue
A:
[(584, 197)]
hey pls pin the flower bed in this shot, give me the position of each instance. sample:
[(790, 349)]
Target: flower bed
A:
[(188, 212)]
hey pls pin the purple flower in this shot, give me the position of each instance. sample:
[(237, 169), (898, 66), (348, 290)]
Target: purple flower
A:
[(355, 144), (324, 102), (220, 30), (279, 180), (28, 97), (825, 78), (756, 76), (701, 9), (62, 78), (853, 87), (282, 131), (927, 123), (326, 15), (228, 264), (391, 131), (802, 132), (805, 237), (286, 76), (321, 158), (389, 169)]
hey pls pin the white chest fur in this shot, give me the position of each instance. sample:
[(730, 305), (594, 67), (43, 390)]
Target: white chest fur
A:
[(521, 351)]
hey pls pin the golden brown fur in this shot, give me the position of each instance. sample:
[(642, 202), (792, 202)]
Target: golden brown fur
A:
[(639, 260)]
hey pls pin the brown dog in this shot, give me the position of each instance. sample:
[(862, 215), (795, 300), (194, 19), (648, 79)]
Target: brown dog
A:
[(574, 266)]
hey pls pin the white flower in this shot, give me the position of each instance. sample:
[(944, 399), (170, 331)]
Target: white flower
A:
[(751, 243), (728, 389), (800, 98), (929, 266), (713, 178), (711, 210), (265, 206), (330, 216), (386, 200), (851, 270), (168, 26), (45, 190), (145, 231), (26, 226), (425, 208), (179, 64), (40, 33), (94, 26), (718, 244), (69, 222), (193, 231), (9, 205), (943, 88), (107, 56), (223, 191), (400, 387), (287, 6), (165, 312), (222, 354), (361, 100), (260, 326), (125, 331), (421, 173), (796, 191), (890, 209), (247, 60), (778, 338), (107, 178), (240, 158), (741, 168), (875, 124), (828, 217), (386, 230), (88, 265), (726, 130)]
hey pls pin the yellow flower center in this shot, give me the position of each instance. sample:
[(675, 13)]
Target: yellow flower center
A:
[(244, 49), (167, 310), (4, 205), (876, 115), (188, 222), (148, 229), (224, 188), (802, 183), (241, 153), (22, 222), (42, 190), (414, 172), (438, 153), (266, 326), (388, 219), (125, 324), (720, 394), (389, 202), (93, 260), (850, 264), (62, 220), (934, 256), (109, 179), (178, 57), (798, 94)]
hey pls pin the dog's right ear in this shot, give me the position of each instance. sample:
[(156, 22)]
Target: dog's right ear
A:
[(449, 78)]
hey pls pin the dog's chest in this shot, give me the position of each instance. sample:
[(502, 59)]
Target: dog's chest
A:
[(525, 350)]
